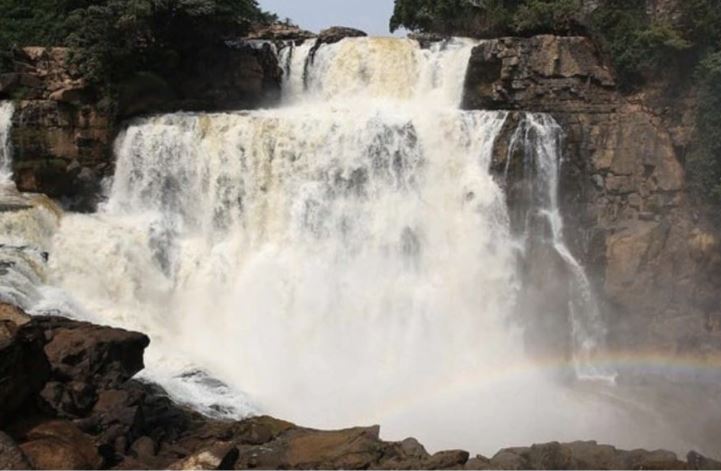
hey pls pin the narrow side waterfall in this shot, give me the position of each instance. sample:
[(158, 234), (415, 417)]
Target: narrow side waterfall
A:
[(27, 225), (345, 259), (538, 138), (7, 109)]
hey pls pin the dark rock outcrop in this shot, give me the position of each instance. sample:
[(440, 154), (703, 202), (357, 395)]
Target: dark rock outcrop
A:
[(11, 457), (338, 33), (656, 265), (24, 368), (98, 356), (279, 32), (60, 445)]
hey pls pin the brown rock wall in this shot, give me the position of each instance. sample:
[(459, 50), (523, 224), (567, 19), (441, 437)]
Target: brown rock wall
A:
[(63, 129), (657, 266)]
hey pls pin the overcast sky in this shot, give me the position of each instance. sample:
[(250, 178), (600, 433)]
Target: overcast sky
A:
[(369, 15)]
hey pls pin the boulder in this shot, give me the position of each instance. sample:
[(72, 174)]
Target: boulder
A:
[(143, 449), (11, 319), (279, 32), (221, 455), (60, 445), (450, 459), (582, 455), (23, 366), (426, 39), (11, 457), (357, 448), (99, 356), (338, 33), (698, 461), (73, 399)]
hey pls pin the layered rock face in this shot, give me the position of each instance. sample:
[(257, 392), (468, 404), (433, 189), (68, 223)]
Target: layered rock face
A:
[(83, 410), (60, 135), (623, 191), (63, 129)]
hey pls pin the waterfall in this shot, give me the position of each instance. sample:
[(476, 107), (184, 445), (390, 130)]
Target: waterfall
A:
[(27, 224), (347, 258), (539, 137), (7, 109), (365, 212)]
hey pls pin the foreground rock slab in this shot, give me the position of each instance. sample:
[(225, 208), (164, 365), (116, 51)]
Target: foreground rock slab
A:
[(79, 408)]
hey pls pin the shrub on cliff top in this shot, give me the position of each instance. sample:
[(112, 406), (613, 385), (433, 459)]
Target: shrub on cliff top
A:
[(544, 16), (488, 18), (114, 38), (481, 18), (704, 160)]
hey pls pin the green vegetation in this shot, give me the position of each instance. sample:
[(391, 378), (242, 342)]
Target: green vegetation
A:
[(487, 18), (115, 39), (681, 53), (704, 161)]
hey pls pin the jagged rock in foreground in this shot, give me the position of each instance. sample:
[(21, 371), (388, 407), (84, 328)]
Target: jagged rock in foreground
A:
[(81, 410)]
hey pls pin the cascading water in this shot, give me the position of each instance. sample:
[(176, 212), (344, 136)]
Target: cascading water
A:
[(346, 259), (7, 109), (539, 138), (27, 224)]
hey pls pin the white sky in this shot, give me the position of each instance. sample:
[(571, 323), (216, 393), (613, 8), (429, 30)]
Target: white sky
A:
[(371, 16)]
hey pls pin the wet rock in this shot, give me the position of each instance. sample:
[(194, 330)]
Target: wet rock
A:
[(426, 39), (11, 457), (143, 448), (99, 356), (11, 319), (357, 448), (72, 399), (219, 456), (60, 445), (23, 367)]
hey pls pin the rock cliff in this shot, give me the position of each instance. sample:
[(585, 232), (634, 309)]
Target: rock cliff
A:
[(63, 129), (83, 410), (657, 265)]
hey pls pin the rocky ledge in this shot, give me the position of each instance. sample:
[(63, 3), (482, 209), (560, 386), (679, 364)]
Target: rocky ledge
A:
[(68, 401)]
